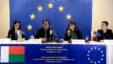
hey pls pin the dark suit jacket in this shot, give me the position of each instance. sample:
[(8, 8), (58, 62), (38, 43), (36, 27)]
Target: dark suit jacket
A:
[(41, 33), (78, 34), (107, 35), (13, 35)]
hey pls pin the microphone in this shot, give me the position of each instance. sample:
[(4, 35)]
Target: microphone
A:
[(69, 32)]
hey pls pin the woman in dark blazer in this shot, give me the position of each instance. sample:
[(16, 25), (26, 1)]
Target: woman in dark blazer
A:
[(72, 32), (13, 32)]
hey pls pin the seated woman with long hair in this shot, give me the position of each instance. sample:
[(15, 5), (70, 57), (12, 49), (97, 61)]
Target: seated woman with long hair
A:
[(15, 30), (72, 32)]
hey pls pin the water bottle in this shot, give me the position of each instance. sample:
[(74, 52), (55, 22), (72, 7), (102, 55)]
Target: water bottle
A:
[(51, 38), (19, 36), (87, 39), (93, 36), (10, 37)]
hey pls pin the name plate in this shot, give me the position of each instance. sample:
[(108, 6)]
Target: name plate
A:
[(109, 42), (5, 40), (35, 41), (77, 41)]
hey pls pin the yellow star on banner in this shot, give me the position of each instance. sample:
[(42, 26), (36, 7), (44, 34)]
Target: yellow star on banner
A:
[(68, 17), (29, 27), (32, 16), (40, 8), (50, 5), (61, 8)]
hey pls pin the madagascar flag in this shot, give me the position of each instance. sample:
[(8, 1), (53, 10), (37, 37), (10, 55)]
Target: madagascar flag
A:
[(12, 54)]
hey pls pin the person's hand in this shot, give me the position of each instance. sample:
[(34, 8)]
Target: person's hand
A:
[(32, 37), (43, 39)]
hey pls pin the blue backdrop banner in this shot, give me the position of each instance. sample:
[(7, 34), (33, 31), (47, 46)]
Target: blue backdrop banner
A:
[(31, 13)]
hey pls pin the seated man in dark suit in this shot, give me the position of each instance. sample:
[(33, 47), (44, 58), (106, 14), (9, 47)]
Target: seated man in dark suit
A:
[(104, 32), (45, 33)]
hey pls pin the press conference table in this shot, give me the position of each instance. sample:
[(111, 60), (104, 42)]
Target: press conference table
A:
[(109, 46)]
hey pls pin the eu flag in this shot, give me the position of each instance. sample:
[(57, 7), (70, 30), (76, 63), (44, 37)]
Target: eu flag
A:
[(31, 13)]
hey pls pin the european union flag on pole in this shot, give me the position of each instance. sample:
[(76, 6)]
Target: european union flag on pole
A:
[(59, 12)]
